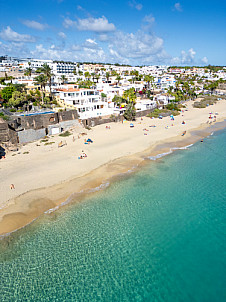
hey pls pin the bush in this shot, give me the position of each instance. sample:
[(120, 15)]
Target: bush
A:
[(172, 106), (164, 112), (66, 133), (49, 143), (205, 102), (4, 117), (12, 110)]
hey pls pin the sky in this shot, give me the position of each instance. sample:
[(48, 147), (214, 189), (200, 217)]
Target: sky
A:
[(135, 32)]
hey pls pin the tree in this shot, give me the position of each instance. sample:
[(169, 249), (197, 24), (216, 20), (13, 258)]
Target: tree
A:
[(2, 81), (93, 76), (87, 75), (63, 79), (42, 81), (7, 92), (28, 71), (134, 73), (18, 99), (118, 100), (103, 96), (46, 70), (107, 76), (130, 112), (118, 78), (20, 87), (147, 78), (129, 96), (97, 76), (114, 73)]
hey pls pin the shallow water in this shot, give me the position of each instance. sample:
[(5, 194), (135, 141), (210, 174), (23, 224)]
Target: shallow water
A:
[(158, 235)]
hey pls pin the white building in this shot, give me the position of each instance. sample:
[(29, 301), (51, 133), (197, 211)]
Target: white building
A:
[(60, 68), (145, 104), (87, 102)]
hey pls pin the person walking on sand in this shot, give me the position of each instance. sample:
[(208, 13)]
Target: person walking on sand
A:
[(12, 187)]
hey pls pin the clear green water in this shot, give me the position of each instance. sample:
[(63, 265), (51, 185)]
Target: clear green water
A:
[(158, 235)]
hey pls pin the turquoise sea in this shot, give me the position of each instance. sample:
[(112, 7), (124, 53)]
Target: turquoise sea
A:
[(156, 235)]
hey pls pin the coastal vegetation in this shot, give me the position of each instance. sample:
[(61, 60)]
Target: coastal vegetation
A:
[(163, 112), (206, 101), (127, 101), (66, 133)]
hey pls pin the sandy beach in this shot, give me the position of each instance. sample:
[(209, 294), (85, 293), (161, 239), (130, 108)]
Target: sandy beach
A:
[(45, 176)]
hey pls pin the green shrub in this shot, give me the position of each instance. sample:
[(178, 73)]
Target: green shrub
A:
[(49, 143), (66, 133)]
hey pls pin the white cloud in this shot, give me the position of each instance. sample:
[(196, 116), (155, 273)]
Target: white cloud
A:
[(149, 19), (8, 34), (75, 52), (134, 4), (14, 48), (96, 25), (138, 47), (91, 41), (76, 47), (205, 60), (62, 35), (79, 7), (91, 44), (34, 24), (185, 57), (53, 52), (139, 6), (103, 37), (177, 7), (69, 23)]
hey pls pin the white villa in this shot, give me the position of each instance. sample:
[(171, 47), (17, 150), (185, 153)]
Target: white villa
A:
[(87, 102)]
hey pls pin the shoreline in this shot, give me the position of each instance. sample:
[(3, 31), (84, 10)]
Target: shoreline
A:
[(27, 207)]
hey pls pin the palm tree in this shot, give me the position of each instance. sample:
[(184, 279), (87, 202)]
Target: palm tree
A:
[(147, 79), (118, 78), (42, 81), (46, 70), (63, 79), (134, 73), (130, 96), (28, 71), (97, 76), (87, 75), (93, 76), (107, 76)]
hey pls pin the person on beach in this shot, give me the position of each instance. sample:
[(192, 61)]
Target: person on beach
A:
[(12, 187)]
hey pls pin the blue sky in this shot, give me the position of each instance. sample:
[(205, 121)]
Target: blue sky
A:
[(136, 32)]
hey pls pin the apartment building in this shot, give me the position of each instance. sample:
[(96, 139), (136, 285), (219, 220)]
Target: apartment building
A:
[(60, 68), (87, 102)]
